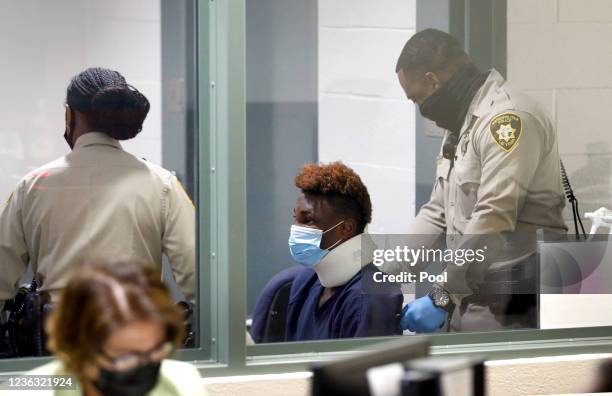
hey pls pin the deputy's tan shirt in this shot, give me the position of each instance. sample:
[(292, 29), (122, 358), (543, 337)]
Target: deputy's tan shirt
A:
[(505, 181), (97, 202)]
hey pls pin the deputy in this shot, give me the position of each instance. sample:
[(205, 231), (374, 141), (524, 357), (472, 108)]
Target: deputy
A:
[(497, 182), (98, 201)]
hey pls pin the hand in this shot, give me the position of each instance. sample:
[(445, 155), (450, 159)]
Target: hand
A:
[(422, 316)]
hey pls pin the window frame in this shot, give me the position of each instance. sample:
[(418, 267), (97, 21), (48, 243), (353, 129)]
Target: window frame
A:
[(221, 199), (291, 357)]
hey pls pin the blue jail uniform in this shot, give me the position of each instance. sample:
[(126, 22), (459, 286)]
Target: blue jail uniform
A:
[(349, 312), (265, 301)]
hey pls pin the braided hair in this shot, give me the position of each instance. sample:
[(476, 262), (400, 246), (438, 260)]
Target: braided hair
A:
[(110, 104)]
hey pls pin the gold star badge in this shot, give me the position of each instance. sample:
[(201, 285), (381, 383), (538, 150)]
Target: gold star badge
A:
[(506, 133), (506, 130)]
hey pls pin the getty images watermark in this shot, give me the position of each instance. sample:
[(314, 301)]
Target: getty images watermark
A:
[(502, 263), (404, 257)]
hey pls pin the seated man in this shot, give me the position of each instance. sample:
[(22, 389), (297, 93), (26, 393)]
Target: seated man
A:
[(327, 299)]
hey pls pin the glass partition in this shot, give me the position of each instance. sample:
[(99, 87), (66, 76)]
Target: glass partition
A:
[(321, 86), (327, 82), (44, 45)]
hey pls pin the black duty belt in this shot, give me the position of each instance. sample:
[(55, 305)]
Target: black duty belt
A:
[(520, 278)]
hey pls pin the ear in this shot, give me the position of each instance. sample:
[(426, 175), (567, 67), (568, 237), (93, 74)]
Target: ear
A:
[(433, 79), (71, 119), (68, 116), (349, 228)]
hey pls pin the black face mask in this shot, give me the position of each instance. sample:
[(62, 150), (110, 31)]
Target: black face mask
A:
[(68, 139), (135, 382), (68, 133), (448, 106)]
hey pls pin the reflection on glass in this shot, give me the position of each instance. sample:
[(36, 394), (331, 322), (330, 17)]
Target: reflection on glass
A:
[(487, 163), (93, 166)]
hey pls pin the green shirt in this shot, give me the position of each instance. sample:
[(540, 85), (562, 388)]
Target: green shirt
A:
[(176, 379)]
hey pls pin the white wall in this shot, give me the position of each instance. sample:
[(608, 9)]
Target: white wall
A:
[(42, 45), (559, 51), (365, 119)]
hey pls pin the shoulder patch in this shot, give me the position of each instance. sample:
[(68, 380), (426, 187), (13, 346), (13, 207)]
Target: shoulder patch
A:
[(506, 130), (182, 188)]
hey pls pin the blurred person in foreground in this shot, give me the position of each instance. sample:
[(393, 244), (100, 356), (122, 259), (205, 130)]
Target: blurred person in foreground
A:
[(113, 330)]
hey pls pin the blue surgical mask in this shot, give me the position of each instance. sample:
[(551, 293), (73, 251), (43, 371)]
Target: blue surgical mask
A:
[(305, 244)]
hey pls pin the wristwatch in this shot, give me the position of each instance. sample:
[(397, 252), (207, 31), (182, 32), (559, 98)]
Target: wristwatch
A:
[(441, 298)]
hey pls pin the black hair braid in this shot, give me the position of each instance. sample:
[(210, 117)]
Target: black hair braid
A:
[(111, 105)]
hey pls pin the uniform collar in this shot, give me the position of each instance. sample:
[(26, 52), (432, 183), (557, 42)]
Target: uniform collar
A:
[(479, 107), (94, 139)]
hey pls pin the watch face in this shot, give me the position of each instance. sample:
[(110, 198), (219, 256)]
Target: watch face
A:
[(442, 299)]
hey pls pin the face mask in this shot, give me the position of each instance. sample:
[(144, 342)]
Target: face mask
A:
[(68, 139), (448, 106), (135, 382), (68, 133), (304, 244)]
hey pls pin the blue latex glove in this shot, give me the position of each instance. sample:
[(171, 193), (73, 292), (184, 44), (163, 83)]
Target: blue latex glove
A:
[(422, 316)]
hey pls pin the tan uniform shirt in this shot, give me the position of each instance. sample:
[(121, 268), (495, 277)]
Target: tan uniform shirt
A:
[(97, 202), (505, 181)]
